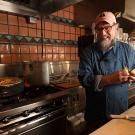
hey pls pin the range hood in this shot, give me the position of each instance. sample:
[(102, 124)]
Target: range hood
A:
[(129, 12), (35, 7)]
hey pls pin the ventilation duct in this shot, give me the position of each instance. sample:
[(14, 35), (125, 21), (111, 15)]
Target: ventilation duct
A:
[(35, 7)]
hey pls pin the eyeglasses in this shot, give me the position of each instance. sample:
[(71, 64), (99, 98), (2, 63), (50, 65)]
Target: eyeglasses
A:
[(106, 28)]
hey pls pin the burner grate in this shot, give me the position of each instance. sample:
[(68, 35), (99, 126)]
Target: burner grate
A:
[(28, 94)]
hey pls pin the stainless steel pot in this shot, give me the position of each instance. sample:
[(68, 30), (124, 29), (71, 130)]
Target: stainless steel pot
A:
[(36, 73)]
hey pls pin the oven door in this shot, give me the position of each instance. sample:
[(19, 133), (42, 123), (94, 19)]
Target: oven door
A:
[(47, 124)]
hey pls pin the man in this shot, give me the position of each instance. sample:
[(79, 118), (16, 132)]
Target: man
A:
[(105, 69)]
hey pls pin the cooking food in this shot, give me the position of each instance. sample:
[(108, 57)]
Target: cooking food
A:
[(8, 81)]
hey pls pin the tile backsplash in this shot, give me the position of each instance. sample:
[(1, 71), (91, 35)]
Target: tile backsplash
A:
[(21, 40)]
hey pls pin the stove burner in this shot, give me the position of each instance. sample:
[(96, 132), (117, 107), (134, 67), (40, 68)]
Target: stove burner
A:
[(33, 92), (10, 100), (28, 94)]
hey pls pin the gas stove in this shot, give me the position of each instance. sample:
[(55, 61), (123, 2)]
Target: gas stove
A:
[(30, 106), (28, 94)]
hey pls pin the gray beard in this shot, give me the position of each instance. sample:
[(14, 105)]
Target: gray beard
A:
[(105, 45)]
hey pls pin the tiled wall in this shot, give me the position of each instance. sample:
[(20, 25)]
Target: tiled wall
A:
[(21, 40)]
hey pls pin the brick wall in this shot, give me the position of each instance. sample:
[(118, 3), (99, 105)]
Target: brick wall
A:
[(21, 40)]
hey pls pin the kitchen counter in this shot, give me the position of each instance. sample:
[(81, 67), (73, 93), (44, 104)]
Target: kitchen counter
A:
[(118, 126)]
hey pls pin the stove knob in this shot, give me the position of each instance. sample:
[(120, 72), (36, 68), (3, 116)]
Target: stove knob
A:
[(64, 102), (26, 113), (6, 120), (38, 109), (54, 103)]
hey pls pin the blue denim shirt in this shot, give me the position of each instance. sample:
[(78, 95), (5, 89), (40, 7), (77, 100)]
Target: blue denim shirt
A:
[(113, 99)]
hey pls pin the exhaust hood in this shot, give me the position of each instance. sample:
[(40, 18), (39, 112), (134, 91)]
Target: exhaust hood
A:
[(129, 12), (35, 7)]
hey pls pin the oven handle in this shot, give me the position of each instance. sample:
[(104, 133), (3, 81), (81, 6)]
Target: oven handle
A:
[(42, 124), (21, 118), (22, 126), (37, 120), (31, 122), (44, 117)]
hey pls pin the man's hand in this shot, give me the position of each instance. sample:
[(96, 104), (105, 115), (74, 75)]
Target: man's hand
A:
[(132, 76), (117, 77)]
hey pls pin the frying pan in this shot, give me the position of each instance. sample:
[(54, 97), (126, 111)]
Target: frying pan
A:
[(11, 89), (67, 85)]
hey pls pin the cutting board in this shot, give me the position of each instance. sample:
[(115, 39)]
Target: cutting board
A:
[(67, 85)]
